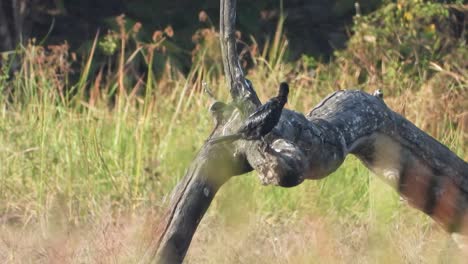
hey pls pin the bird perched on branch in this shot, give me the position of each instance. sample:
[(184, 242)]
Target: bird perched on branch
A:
[(262, 121)]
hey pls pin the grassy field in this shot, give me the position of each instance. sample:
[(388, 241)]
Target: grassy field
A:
[(86, 166)]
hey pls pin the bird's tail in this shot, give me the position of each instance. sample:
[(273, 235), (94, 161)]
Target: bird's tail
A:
[(228, 138)]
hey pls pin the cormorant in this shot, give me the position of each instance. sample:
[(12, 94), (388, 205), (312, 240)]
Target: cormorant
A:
[(262, 121)]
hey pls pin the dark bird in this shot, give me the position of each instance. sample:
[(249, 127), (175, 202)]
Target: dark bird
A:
[(262, 121)]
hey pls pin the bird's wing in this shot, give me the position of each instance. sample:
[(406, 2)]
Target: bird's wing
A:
[(257, 118)]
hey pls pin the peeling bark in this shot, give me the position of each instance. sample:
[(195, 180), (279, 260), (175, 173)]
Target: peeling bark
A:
[(310, 147)]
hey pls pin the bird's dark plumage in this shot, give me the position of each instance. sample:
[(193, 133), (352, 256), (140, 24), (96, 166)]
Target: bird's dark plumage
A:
[(262, 121)]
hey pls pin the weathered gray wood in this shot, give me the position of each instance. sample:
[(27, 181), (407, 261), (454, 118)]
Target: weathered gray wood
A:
[(213, 165), (345, 122), (302, 147), (242, 94)]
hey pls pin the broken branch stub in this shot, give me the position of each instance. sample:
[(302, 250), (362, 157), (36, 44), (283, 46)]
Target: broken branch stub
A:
[(311, 147)]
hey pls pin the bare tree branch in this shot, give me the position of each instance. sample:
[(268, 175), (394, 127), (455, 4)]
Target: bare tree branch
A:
[(240, 90), (312, 147)]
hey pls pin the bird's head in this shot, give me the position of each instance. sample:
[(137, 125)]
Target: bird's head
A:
[(283, 90)]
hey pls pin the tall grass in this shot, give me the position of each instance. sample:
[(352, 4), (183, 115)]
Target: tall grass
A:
[(102, 154)]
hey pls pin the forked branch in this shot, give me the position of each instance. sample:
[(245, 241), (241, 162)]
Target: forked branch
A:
[(312, 147)]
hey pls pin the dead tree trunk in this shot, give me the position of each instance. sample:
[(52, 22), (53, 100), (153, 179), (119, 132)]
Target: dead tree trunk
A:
[(424, 171)]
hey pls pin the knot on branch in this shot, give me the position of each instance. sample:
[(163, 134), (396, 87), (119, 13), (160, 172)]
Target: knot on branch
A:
[(298, 149), (282, 164), (217, 109)]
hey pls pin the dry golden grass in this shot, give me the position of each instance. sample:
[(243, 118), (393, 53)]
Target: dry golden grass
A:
[(85, 168)]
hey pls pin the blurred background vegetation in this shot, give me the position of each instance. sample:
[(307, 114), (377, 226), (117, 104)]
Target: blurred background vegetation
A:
[(313, 27), (96, 129)]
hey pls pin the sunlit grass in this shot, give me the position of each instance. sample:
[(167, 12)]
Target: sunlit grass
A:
[(85, 165)]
